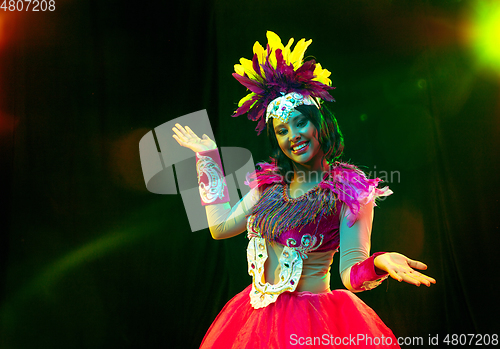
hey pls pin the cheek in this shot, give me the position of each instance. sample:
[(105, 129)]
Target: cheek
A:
[(313, 133), (282, 145)]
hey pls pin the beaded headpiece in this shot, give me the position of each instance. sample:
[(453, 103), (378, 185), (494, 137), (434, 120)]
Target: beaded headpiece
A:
[(279, 81)]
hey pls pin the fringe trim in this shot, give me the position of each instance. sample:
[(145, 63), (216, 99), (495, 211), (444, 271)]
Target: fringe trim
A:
[(276, 212)]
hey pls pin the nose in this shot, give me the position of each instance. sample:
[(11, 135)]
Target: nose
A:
[(294, 136)]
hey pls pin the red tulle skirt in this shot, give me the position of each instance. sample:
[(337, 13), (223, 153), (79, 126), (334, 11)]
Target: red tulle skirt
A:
[(337, 319)]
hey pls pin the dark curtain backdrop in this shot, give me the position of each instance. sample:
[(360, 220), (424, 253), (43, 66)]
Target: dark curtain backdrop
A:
[(91, 259)]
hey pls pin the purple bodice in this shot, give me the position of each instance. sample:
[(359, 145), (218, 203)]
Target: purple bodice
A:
[(323, 229)]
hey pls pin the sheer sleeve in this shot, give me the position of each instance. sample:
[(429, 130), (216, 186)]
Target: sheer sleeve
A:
[(357, 270), (225, 222)]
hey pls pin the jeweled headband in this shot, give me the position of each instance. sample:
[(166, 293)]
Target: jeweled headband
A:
[(279, 81)]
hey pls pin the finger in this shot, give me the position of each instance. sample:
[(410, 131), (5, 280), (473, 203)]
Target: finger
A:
[(179, 134), (416, 264), (419, 278), (182, 130), (179, 141), (191, 133), (407, 277), (427, 280), (403, 275), (393, 274)]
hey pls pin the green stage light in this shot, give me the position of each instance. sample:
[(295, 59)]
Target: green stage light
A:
[(485, 33)]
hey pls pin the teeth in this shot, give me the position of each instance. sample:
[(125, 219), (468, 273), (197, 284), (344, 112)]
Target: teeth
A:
[(300, 147)]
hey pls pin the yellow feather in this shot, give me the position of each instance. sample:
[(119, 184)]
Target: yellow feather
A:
[(261, 54), (238, 69), (259, 50), (246, 98), (322, 75), (286, 51), (248, 66), (274, 42), (297, 55)]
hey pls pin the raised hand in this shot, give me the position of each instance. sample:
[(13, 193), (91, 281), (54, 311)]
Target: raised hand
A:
[(401, 267), (188, 139)]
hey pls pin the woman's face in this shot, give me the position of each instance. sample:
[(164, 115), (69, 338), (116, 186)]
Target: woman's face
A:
[(298, 139)]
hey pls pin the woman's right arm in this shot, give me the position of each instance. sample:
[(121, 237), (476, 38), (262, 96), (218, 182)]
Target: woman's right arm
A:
[(224, 222)]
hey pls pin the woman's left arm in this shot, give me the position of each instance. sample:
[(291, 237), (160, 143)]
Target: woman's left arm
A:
[(360, 271)]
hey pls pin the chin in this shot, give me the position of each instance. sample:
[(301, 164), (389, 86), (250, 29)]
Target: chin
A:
[(303, 160)]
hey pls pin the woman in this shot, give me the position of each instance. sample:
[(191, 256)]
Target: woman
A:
[(302, 208)]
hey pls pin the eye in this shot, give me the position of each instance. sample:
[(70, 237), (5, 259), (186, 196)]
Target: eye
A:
[(281, 132), (302, 123)]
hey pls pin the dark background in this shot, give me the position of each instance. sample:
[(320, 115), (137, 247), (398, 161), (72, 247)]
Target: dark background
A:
[(91, 259)]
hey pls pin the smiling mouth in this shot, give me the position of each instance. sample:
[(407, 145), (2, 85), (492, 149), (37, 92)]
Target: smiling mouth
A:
[(300, 147)]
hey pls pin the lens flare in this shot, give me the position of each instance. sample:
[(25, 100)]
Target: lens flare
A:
[(484, 33)]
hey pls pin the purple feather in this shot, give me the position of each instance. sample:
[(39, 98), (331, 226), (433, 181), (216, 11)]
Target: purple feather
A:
[(252, 85), (245, 106), (255, 64)]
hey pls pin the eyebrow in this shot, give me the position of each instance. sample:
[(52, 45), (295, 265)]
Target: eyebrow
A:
[(296, 119), (279, 125)]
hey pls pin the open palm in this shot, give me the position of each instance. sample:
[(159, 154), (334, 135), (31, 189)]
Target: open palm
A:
[(188, 139), (402, 268)]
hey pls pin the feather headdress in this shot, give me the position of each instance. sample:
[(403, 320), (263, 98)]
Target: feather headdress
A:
[(278, 71)]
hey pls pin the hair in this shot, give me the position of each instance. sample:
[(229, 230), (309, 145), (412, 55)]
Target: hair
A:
[(329, 136)]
